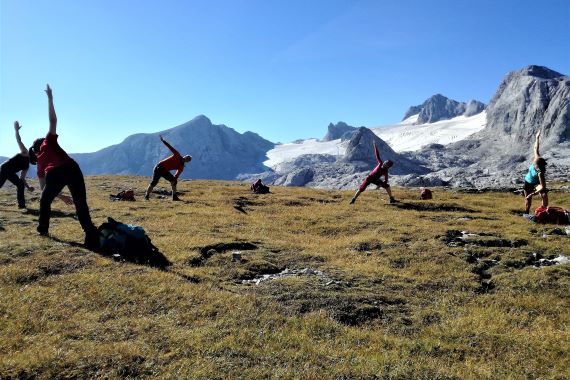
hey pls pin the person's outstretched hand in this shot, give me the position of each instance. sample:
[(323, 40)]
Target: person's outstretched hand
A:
[(17, 126), (48, 92), (66, 199)]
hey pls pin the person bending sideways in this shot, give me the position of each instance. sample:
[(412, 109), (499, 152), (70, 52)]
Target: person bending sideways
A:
[(19, 163), (163, 168), (55, 171), (535, 179), (380, 170)]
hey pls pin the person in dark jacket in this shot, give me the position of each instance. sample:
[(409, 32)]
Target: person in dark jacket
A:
[(19, 163), (55, 171)]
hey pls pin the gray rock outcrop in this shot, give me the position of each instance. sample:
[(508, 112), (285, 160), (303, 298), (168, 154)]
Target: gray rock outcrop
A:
[(532, 99), (439, 107), (338, 130)]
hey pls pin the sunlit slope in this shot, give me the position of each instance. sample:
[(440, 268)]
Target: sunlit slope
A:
[(378, 290)]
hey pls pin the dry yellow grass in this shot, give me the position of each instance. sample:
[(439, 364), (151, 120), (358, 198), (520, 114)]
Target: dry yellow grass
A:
[(403, 304)]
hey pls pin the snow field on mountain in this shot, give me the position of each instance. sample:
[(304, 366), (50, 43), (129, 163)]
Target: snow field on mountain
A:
[(404, 136)]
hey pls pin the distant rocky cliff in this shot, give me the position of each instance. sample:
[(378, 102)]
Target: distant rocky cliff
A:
[(438, 107)]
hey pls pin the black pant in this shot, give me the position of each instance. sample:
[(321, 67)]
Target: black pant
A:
[(6, 174), (69, 175), (159, 172)]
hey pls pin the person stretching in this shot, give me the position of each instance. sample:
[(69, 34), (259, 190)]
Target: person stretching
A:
[(19, 163), (163, 168), (535, 181), (380, 170), (55, 171)]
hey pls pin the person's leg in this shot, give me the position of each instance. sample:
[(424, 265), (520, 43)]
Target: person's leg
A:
[(76, 184), (544, 196), (527, 189), (3, 176), (20, 189), (174, 195), (156, 174), (54, 184), (361, 188), (389, 191), (355, 196)]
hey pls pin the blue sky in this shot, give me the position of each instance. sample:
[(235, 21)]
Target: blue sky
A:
[(281, 68)]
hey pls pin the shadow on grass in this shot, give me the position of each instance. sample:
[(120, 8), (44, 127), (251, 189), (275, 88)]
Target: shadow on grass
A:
[(154, 258), (432, 207), (54, 213)]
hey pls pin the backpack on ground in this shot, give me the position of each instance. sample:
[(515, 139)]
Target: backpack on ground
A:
[(259, 188), (130, 243), (425, 194), (552, 215), (125, 195)]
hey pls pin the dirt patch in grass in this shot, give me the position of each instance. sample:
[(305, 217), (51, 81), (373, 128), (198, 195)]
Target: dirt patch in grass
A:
[(416, 206), (210, 250), (456, 238), (22, 273), (347, 305)]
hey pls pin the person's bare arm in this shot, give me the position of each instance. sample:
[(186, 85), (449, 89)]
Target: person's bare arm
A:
[(537, 146), (174, 151), (377, 154), (52, 115), (23, 150), (23, 174)]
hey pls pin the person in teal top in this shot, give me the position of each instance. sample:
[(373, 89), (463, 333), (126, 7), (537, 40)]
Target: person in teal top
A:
[(534, 181)]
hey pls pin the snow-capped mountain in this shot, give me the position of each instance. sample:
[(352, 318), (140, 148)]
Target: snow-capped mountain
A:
[(403, 136)]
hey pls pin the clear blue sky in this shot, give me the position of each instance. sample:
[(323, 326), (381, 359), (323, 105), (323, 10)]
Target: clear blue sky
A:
[(281, 68)]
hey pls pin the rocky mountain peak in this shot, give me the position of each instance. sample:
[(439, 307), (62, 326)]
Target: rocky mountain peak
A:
[(337, 131), (439, 107), (539, 72), (534, 98)]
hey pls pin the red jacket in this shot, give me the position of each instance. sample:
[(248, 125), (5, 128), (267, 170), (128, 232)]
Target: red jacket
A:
[(50, 155), (174, 162)]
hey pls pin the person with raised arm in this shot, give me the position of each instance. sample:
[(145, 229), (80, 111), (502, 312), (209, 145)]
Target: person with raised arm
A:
[(19, 163), (163, 168), (535, 179), (55, 171), (380, 170)]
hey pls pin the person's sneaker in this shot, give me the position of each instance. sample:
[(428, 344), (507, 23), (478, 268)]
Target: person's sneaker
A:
[(352, 201), (146, 197), (392, 200)]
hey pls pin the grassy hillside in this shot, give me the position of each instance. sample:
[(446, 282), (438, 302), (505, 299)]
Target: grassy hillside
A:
[(392, 291)]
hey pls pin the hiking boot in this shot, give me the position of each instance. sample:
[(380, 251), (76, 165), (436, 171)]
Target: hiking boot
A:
[(352, 201), (42, 231), (392, 200), (175, 198), (21, 207)]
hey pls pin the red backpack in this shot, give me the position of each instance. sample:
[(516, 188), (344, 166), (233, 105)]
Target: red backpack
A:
[(425, 194), (551, 215)]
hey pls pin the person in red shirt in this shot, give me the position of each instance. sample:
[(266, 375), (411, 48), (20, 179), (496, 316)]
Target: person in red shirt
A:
[(163, 168), (55, 171), (374, 177)]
